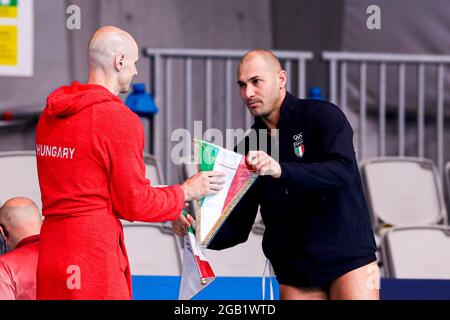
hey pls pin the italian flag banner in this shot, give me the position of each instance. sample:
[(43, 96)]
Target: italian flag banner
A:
[(197, 273), (212, 211)]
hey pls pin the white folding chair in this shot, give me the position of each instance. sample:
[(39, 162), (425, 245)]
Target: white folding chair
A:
[(152, 249), (152, 170), (417, 252), (18, 176), (403, 192), (244, 260)]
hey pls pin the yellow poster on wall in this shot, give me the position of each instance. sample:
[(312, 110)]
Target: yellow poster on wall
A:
[(8, 45), (8, 8), (16, 38)]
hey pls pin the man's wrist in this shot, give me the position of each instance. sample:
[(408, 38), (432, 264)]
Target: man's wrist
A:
[(278, 174), (186, 195)]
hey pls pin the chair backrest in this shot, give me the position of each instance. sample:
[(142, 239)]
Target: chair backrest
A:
[(18, 176), (153, 170), (403, 192), (244, 260), (153, 249), (417, 252)]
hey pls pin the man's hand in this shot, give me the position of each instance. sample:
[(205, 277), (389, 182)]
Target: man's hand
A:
[(263, 164), (203, 184), (180, 226)]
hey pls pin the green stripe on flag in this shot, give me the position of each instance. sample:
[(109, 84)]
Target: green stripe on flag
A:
[(190, 229), (208, 154)]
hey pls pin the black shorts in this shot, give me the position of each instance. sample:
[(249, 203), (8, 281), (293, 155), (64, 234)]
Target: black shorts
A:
[(319, 277)]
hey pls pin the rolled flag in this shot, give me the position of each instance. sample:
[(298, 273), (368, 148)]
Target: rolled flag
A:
[(212, 210), (197, 273)]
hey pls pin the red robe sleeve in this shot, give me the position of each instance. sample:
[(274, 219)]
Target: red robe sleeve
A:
[(119, 138)]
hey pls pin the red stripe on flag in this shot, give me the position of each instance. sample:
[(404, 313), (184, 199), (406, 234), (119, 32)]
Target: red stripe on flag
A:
[(241, 177), (205, 268)]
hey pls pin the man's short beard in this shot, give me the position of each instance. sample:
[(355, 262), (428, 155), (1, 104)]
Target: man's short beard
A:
[(265, 115)]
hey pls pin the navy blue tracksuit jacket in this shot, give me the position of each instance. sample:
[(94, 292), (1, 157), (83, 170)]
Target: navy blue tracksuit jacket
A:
[(317, 225)]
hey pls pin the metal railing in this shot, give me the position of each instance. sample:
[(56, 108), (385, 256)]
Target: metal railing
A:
[(339, 63), (167, 65)]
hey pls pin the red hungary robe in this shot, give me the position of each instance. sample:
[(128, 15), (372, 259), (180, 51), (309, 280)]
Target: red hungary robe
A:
[(89, 148)]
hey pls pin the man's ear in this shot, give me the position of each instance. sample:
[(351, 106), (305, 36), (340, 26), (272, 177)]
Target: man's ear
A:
[(119, 62), (282, 77), (2, 232)]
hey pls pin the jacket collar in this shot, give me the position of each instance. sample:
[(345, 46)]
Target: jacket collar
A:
[(27, 240)]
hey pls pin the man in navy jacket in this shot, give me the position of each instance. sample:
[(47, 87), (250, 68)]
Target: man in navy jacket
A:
[(318, 235)]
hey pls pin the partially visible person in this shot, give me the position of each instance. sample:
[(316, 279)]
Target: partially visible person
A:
[(20, 224)]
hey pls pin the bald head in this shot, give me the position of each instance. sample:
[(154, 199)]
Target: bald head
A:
[(19, 218), (262, 84), (265, 58), (108, 42), (112, 55)]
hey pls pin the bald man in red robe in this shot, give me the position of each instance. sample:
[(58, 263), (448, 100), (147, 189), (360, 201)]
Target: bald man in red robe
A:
[(89, 148)]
